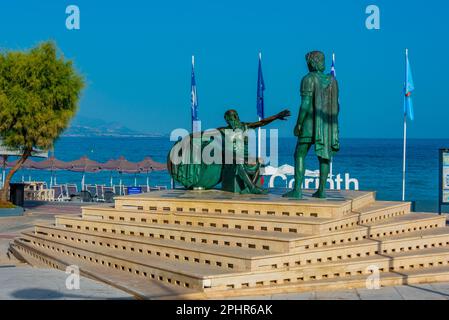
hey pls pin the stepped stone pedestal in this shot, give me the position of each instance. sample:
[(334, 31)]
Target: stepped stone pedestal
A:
[(213, 244)]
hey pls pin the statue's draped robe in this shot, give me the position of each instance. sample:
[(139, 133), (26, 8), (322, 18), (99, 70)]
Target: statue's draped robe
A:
[(236, 144), (320, 126)]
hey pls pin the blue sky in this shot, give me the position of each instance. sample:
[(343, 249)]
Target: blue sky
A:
[(136, 58)]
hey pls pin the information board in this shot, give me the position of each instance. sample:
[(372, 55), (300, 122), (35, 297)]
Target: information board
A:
[(444, 178), (134, 190)]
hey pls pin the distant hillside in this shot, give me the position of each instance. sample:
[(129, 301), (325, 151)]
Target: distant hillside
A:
[(90, 127)]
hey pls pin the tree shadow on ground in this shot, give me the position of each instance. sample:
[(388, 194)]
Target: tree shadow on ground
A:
[(47, 294)]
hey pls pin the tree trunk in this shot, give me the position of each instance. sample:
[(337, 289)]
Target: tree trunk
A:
[(17, 166)]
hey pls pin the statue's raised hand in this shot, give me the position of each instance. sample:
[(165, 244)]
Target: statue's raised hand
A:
[(283, 115)]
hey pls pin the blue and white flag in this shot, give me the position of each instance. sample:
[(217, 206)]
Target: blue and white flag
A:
[(260, 90), (194, 95), (408, 89)]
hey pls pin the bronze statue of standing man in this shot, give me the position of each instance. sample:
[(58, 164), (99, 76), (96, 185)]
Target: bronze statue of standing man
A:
[(317, 123)]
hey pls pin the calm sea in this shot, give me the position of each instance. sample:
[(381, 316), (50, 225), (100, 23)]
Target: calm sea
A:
[(376, 163)]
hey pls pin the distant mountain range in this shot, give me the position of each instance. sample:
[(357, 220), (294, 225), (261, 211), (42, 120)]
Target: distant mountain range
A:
[(90, 127)]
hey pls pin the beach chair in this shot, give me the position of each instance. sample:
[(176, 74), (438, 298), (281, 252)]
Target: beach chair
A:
[(92, 190), (58, 193), (86, 196), (45, 194), (100, 192), (118, 190), (145, 188), (72, 190), (65, 193), (108, 194), (109, 189)]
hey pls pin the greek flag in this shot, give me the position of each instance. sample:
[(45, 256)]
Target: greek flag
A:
[(194, 95), (260, 90), (408, 89)]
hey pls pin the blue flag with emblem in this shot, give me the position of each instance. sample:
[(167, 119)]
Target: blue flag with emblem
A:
[(194, 97), (260, 90), (408, 89)]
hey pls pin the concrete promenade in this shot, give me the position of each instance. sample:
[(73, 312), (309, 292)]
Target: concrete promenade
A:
[(436, 291), (24, 282), (20, 281)]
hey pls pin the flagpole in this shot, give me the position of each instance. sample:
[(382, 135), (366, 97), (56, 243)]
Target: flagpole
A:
[(405, 133), (259, 137), (193, 70), (404, 157), (331, 169)]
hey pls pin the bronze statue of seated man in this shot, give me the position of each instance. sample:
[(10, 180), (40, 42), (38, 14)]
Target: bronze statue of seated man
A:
[(239, 174), (242, 175)]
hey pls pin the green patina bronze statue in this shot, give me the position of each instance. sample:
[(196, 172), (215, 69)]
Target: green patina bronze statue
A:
[(317, 123), (238, 175), (242, 176)]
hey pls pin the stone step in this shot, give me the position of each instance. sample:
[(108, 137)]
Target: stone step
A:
[(143, 288), (216, 256), (252, 259), (201, 277), (399, 262), (401, 224), (382, 210), (410, 277), (184, 274), (317, 257), (336, 205), (410, 242), (381, 205), (284, 223), (137, 285), (376, 211), (252, 239)]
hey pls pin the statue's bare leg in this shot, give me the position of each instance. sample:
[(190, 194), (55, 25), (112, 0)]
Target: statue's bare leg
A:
[(250, 187), (300, 167), (324, 173)]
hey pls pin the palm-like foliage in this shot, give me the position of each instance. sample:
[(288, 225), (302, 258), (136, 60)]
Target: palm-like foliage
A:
[(39, 94)]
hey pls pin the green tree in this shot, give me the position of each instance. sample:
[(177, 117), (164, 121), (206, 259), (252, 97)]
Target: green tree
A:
[(39, 94)]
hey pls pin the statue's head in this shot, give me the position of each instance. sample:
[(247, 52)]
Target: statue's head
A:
[(315, 61), (232, 118)]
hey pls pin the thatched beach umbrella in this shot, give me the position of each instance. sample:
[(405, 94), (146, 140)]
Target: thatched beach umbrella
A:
[(52, 164), (121, 165), (84, 164), (28, 164), (149, 165)]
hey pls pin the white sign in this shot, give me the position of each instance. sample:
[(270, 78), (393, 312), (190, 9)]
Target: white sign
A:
[(312, 179)]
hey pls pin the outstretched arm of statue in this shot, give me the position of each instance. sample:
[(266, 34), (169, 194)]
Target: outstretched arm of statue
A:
[(306, 107), (283, 115)]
